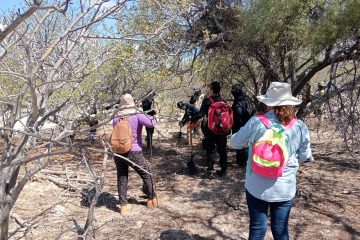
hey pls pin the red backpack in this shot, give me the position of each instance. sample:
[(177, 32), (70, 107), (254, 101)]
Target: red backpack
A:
[(220, 117)]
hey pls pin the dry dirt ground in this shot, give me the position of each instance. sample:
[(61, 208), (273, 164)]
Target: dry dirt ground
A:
[(327, 205)]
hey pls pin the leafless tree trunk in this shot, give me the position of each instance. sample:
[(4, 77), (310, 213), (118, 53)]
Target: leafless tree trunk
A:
[(50, 45), (49, 54), (98, 185)]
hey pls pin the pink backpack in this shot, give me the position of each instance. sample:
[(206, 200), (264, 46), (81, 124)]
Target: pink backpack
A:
[(269, 154)]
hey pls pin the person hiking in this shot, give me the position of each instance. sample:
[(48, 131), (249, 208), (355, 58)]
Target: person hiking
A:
[(191, 110), (192, 114), (148, 106), (270, 180), (213, 139), (136, 121), (197, 97), (243, 110)]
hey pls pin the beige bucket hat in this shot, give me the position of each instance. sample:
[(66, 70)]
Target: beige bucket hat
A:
[(279, 94), (127, 105)]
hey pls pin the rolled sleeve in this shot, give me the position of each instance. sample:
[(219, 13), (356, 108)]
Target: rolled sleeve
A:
[(304, 152)]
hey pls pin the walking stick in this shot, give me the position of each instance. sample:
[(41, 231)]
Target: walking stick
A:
[(154, 201)]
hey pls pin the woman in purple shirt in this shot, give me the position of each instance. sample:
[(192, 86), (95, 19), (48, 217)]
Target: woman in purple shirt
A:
[(136, 121)]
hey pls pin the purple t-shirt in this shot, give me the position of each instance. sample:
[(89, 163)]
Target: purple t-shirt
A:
[(136, 123)]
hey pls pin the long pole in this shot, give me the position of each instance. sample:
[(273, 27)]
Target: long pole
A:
[(118, 155), (152, 177)]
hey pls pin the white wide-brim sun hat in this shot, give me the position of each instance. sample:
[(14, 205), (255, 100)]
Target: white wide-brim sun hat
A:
[(127, 105), (279, 94)]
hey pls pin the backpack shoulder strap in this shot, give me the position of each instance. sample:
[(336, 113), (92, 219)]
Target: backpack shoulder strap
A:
[(290, 124), (265, 120)]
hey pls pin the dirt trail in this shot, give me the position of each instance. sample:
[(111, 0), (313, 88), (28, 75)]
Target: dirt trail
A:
[(327, 206)]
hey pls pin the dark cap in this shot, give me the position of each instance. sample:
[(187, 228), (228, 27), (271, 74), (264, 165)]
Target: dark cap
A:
[(197, 91), (180, 104)]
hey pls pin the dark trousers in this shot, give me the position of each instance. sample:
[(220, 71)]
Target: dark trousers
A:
[(149, 136), (122, 167), (220, 142), (242, 156), (279, 214)]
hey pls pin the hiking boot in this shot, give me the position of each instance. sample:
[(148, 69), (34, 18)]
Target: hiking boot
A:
[(124, 209), (221, 173), (151, 203), (208, 175)]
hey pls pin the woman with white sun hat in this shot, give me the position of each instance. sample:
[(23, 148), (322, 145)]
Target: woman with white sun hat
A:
[(274, 193)]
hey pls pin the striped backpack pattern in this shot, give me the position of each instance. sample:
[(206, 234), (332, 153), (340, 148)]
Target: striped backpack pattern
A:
[(269, 154)]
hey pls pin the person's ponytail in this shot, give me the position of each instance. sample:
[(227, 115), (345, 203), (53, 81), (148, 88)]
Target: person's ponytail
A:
[(284, 113)]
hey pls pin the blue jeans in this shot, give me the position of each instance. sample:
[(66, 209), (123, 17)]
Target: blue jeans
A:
[(279, 214)]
